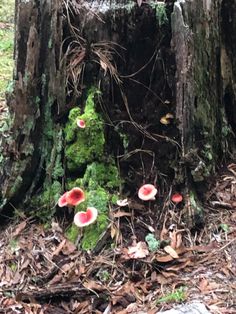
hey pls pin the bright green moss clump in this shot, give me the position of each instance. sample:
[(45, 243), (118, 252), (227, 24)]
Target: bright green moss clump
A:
[(103, 174), (84, 145)]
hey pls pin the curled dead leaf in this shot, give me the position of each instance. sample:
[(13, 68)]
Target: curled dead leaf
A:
[(168, 249), (140, 250)]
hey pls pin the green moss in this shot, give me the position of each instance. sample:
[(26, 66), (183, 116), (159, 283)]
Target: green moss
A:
[(6, 58), (84, 145), (103, 174), (72, 233), (93, 233), (161, 15), (45, 201)]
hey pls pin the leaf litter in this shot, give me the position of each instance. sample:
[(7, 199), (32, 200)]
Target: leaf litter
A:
[(41, 271)]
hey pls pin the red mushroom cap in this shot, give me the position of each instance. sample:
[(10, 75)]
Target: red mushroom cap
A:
[(83, 219), (81, 123), (177, 198), (147, 192), (75, 196), (62, 200)]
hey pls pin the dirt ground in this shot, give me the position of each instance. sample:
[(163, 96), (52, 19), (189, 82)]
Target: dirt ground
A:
[(42, 272)]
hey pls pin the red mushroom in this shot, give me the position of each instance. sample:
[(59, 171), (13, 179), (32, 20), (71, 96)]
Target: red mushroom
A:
[(62, 200), (177, 198), (147, 192), (83, 219), (75, 196), (81, 123)]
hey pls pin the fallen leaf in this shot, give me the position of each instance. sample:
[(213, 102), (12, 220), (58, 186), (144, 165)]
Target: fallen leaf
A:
[(19, 229), (59, 248), (140, 250), (93, 285), (103, 66), (164, 258), (121, 214), (168, 249), (203, 285), (179, 266), (113, 231), (68, 248)]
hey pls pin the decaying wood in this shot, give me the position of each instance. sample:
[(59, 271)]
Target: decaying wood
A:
[(61, 290), (36, 90)]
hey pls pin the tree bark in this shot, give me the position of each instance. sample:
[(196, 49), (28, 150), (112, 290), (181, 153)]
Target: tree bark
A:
[(167, 76), (38, 76)]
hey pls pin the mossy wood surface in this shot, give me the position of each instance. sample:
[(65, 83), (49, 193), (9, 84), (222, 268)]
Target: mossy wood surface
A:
[(30, 149)]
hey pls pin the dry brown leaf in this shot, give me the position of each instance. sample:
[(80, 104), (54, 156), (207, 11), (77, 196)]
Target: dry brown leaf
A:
[(203, 285), (140, 250), (114, 231), (162, 280), (168, 274), (168, 249), (19, 229), (121, 214), (178, 240), (179, 266), (103, 66), (68, 248), (93, 285), (164, 258), (59, 248), (56, 279)]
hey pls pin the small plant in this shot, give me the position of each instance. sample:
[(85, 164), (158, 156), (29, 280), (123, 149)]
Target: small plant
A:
[(224, 227), (152, 242), (179, 295), (161, 15)]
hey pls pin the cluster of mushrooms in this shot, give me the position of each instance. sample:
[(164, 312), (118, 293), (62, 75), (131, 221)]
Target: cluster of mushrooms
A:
[(75, 196)]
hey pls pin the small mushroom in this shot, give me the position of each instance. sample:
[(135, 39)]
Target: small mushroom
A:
[(83, 219), (75, 196), (81, 123), (177, 198), (147, 192), (62, 200)]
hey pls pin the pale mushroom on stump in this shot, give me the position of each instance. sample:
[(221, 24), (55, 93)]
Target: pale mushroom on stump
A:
[(147, 192)]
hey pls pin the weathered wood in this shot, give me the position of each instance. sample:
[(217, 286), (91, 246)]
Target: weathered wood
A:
[(200, 107), (37, 92)]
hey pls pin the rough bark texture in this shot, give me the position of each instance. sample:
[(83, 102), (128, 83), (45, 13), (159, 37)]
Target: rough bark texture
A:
[(179, 62), (37, 94)]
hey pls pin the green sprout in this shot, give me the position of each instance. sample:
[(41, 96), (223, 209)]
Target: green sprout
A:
[(179, 295)]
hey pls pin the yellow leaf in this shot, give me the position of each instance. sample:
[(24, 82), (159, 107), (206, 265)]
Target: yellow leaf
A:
[(168, 249)]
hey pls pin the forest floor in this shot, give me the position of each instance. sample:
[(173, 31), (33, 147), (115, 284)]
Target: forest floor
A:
[(42, 272)]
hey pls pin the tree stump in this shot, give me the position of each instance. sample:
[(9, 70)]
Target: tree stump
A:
[(167, 77)]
